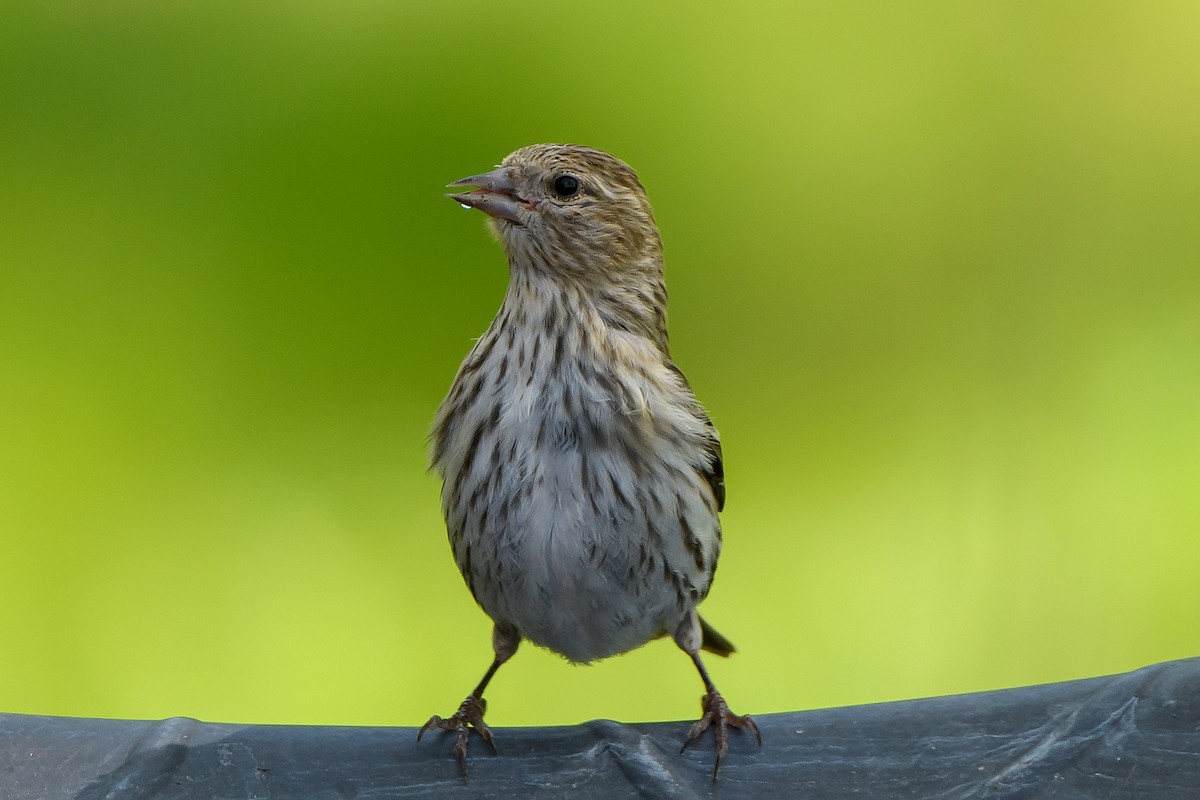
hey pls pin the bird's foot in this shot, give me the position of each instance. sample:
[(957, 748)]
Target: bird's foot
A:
[(469, 715), (718, 716)]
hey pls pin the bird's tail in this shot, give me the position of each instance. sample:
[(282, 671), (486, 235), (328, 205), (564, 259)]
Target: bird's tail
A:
[(714, 642)]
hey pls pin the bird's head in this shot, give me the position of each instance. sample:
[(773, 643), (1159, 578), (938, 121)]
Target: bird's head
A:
[(569, 211)]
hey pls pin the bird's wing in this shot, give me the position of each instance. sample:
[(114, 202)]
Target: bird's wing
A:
[(715, 474)]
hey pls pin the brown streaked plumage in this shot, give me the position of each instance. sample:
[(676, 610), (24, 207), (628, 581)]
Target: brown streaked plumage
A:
[(581, 478)]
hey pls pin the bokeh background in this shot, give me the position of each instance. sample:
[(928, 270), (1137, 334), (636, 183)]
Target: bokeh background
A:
[(934, 269)]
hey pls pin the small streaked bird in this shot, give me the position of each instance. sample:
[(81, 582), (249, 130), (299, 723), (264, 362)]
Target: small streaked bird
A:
[(581, 478)]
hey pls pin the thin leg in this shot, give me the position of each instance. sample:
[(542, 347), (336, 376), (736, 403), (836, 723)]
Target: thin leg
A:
[(716, 711), (470, 714)]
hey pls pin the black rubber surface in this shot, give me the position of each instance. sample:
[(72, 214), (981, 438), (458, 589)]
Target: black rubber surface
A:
[(1126, 736)]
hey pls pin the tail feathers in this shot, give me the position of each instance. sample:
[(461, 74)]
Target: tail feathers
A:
[(714, 642)]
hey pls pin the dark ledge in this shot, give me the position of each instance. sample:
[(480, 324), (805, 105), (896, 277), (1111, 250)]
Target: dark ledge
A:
[(1126, 736)]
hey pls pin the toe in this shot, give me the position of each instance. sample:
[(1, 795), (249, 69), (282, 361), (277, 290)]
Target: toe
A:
[(468, 716), (696, 731), (434, 722), (718, 717)]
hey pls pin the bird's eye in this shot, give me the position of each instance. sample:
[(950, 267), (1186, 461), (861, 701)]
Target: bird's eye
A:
[(565, 185)]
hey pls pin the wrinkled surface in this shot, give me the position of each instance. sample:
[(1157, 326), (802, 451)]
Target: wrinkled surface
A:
[(1132, 735)]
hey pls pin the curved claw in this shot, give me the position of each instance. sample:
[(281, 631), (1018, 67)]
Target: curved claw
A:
[(718, 716), (469, 715)]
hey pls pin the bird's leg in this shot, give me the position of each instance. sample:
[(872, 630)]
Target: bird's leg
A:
[(470, 714), (718, 716)]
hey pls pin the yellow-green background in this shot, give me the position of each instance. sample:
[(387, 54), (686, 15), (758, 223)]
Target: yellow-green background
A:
[(934, 268)]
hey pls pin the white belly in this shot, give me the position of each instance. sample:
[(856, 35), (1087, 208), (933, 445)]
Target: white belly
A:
[(581, 547)]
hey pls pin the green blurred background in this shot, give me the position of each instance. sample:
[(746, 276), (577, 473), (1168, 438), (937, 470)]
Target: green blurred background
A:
[(934, 269)]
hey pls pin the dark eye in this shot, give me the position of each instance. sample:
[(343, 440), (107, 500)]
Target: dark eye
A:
[(565, 185)]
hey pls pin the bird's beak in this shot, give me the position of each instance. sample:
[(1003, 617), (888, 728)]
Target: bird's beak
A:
[(494, 193)]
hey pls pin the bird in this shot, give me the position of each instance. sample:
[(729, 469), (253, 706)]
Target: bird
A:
[(581, 478)]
